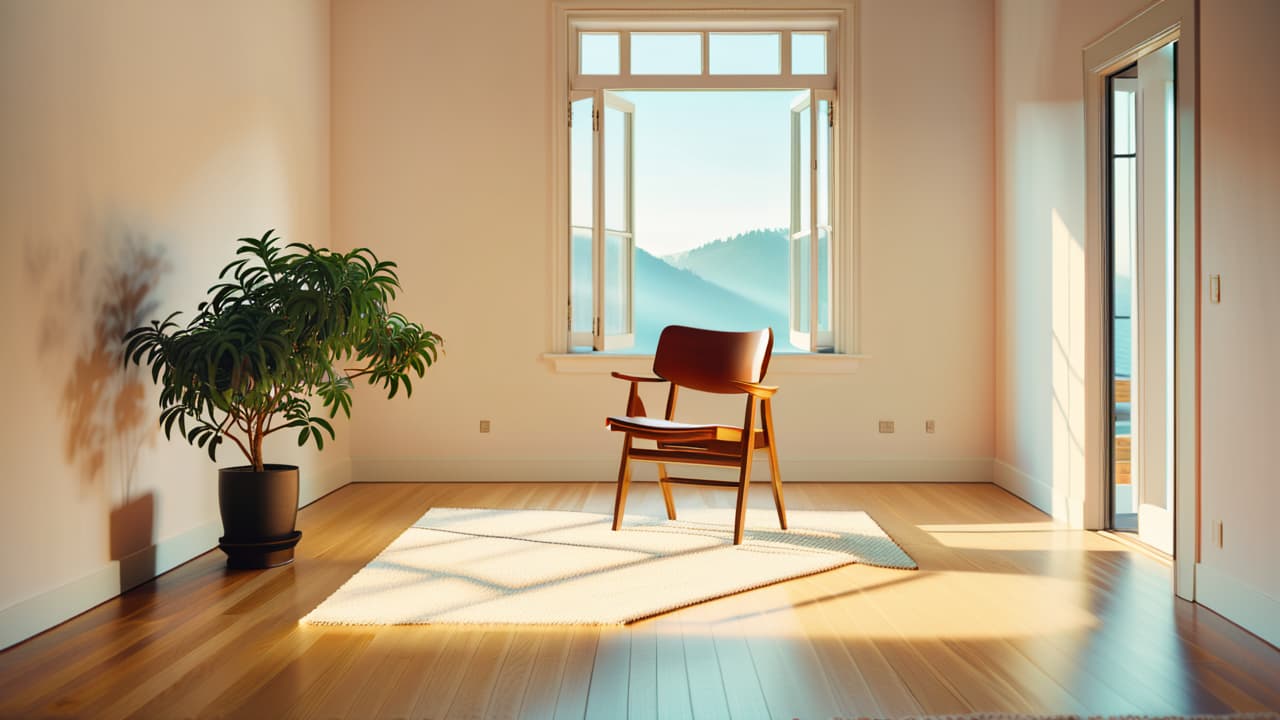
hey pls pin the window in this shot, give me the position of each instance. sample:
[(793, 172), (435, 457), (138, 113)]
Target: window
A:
[(703, 167)]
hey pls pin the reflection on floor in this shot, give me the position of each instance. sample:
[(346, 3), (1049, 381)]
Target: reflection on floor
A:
[(1008, 613)]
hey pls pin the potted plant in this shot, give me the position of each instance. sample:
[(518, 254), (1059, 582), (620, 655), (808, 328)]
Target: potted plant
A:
[(282, 326)]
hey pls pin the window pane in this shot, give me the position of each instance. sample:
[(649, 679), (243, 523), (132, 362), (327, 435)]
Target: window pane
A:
[(666, 53), (617, 288), (745, 54), (580, 151), (598, 53), (800, 276), (809, 53), (616, 174), (580, 279), (824, 164), (824, 279), (581, 148)]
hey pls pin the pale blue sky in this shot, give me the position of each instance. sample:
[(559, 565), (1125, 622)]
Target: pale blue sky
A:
[(709, 164)]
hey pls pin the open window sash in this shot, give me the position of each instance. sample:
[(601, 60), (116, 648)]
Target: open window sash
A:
[(582, 218), (613, 231), (810, 237)]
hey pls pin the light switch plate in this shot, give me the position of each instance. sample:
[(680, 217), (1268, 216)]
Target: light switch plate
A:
[(1215, 289)]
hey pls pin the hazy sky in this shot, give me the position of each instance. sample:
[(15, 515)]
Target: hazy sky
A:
[(709, 164)]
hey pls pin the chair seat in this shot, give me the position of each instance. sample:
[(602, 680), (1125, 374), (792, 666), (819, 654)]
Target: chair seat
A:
[(659, 429)]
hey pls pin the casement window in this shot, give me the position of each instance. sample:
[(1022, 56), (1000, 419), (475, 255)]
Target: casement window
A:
[(704, 170)]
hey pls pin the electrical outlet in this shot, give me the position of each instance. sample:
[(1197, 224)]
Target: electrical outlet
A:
[(484, 426), (886, 426), (928, 426)]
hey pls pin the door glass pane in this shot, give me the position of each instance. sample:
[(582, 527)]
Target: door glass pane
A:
[(809, 53), (1124, 226), (598, 53), (617, 288), (666, 53), (1123, 107), (745, 54), (617, 128)]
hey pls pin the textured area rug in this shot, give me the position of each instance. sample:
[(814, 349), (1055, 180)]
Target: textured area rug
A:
[(554, 567)]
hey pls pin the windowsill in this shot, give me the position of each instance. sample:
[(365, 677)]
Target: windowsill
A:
[(779, 364)]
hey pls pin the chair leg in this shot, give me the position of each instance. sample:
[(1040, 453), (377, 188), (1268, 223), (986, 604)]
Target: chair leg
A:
[(666, 491), (744, 482), (624, 483), (776, 479), (777, 486)]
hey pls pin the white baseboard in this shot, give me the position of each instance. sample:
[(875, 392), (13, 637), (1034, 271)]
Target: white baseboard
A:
[(37, 614), (41, 612), (1239, 602), (1039, 493), (482, 469), (315, 483)]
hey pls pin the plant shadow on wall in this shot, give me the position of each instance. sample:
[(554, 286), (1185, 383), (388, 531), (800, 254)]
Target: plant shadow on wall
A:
[(102, 402), (283, 325)]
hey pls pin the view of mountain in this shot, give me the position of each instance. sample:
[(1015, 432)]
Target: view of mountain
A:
[(752, 264), (738, 283)]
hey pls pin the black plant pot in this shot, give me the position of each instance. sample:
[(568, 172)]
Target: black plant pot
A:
[(258, 512)]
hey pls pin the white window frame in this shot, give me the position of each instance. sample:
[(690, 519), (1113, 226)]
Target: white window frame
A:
[(836, 18)]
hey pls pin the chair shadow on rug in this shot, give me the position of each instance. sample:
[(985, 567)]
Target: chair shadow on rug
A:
[(708, 361)]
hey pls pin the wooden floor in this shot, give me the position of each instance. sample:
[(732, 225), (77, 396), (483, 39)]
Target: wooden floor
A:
[(1008, 613)]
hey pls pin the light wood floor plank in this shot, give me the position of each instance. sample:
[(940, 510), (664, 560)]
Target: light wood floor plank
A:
[(1008, 612)]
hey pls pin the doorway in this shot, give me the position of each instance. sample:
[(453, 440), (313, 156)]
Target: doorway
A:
[(1141, 136)]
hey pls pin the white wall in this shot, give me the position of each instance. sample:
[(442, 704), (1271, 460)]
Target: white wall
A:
[(1240, 386), (140, 139), (441, 127), (1039, 257)]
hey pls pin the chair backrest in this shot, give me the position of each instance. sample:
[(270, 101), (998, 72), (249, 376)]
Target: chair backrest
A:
[(708, 360)]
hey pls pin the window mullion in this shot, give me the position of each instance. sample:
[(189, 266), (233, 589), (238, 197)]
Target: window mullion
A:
[(784, 47)]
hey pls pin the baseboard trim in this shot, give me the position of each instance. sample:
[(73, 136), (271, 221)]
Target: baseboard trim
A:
[(1239, 602), (1038, 493), (543, 470), (315, 483), (36, 614)]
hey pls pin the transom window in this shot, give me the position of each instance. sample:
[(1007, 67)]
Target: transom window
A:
[(702, 186)]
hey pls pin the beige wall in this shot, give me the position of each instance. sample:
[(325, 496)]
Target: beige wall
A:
[(1040, 198), (140, 139), (1240, 390), (1039, 257), (441, 160)]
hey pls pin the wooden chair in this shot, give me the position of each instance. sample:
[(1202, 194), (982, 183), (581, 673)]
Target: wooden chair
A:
[(707, 361)]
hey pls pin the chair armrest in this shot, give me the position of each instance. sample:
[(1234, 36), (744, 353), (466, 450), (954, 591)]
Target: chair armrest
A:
[(634, 378), (763, 392)]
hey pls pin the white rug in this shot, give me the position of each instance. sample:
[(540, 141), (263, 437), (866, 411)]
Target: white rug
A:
[(552, 567)]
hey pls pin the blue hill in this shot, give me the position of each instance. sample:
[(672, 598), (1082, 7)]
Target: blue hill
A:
[(753, 264), (668, 295)]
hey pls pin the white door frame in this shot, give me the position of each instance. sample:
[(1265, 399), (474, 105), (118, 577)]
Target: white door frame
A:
[(1154, 27)]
